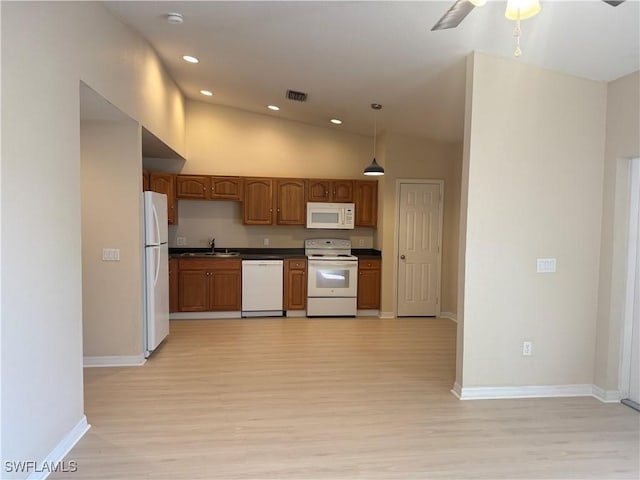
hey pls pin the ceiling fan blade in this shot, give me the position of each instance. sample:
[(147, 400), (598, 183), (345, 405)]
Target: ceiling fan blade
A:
[(454, 15), (613, 3)]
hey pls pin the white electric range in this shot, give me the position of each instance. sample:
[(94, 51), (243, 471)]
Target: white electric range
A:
[(332, 284)]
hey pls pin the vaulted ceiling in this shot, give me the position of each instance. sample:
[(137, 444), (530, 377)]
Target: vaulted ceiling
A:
[(347, 55)]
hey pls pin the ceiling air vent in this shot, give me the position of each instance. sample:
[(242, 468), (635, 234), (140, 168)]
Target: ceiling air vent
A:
[(296, 96)]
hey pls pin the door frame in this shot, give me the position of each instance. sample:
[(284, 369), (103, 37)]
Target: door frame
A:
[(396, 232), (633, 250)]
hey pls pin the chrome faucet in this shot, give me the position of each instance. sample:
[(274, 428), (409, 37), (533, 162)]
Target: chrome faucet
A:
[(212, 244)]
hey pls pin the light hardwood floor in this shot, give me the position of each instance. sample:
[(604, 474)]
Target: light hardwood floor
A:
[(332, 399)]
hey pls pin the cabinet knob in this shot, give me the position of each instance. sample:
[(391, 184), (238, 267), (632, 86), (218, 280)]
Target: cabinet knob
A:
[(402, 257)]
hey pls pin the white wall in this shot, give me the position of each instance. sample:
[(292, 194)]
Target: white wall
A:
[(623, 143), (111, 173), (47, 49), (535, 172)]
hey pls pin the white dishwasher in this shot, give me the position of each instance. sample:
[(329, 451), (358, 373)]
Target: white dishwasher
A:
[(262, 288)]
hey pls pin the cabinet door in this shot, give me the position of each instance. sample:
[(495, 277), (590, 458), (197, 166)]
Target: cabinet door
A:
[(226, 188), (194, 187), (225, 290), (366, 202), (369, 284), (290, 202), (146, 186), (295, 284), (257, 208), (318, 190), (174, 292), (193, 287), (342, 191), (166, 183)]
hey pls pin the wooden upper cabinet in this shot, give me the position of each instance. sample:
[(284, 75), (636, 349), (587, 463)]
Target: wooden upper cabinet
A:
[(290, 202), (166, 183), (366, 202), (195, 187), (340, 191), (146, 186), (226, 188), (257, 208)]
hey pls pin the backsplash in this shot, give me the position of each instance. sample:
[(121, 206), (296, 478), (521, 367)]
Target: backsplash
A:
[(199, 221)]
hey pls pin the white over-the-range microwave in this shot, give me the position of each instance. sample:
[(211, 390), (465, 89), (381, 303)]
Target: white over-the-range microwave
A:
[(338, 216)]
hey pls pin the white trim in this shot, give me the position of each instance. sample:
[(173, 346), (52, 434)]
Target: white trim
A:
[(203, 315), (457, 390), (420, 181), (531, 391), (624, 374), (387, 315), (606, 396), (114, 361), (62, 449), (449, 315), (296, 313), (368, 313)]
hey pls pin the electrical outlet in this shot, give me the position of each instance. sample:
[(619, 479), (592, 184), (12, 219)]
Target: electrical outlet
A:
[(361, 242), (527, 348), (181, 241), (265, 242)]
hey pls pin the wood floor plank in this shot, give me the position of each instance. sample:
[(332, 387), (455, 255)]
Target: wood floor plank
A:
[(332, 399)]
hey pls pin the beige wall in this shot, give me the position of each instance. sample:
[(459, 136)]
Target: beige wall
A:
[(47, 50), (535, 177), (110, 174), (623, 143), (408, 157)]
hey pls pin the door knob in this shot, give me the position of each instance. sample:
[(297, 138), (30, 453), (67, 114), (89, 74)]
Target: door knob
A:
[(402, 257)]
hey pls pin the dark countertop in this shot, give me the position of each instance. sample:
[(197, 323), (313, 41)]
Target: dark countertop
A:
[(262, 253)]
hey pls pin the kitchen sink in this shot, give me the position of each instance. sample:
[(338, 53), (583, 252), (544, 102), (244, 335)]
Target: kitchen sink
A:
[(210, 254), (224, 254)]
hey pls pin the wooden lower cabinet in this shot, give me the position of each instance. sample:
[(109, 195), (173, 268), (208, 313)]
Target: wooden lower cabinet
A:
[(173, 285), (295, 284), (209, 285), (369, 280)]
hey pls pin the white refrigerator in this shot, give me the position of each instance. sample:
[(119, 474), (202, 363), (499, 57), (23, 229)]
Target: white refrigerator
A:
[(156, 271)]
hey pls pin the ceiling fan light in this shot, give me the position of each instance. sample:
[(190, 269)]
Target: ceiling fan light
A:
[(478, 3), (374, 169), (526, 9)]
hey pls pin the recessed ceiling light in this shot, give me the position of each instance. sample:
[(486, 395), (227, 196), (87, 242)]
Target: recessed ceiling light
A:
[(273, 107), (190, 59), (206, 92), (336, 121)]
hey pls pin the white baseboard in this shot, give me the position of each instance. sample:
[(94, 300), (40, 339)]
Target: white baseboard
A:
[(368, 313), (606, 396), (530, 391), (296, 313), (449, 315), (60, 451), (203, 315), (387, 315), (114, 361)]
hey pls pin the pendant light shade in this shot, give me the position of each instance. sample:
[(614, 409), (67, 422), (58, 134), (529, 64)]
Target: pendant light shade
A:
[(374, 168), (522, 9)]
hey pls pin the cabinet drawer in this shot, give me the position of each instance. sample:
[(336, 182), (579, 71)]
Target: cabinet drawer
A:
[(210, 264), (297, 264), (369, 264)]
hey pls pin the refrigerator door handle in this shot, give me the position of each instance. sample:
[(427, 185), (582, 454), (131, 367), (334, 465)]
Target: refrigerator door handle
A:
[(156, 224), (155, 280)]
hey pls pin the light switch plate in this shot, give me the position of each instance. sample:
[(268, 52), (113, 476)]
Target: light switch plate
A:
[(110, 254), (545, 265)]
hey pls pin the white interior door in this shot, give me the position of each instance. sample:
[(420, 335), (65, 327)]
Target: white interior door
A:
[(634, 377), (419, 257)]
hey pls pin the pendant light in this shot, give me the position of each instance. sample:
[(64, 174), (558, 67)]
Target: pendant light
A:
[(520, 10), (374, 168)]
